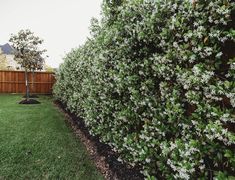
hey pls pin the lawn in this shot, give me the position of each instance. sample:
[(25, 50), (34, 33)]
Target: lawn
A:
[(36, 143)]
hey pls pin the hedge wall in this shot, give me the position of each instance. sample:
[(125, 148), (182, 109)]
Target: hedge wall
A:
[(156, 81)]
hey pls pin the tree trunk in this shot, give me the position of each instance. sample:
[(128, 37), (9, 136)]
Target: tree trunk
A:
[(27, 85)]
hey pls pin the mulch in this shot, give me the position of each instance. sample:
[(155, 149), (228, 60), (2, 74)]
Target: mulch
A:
[(105, 159), (30, 101)]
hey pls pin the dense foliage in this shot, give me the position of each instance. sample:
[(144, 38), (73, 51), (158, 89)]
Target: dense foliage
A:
[(157, 82), (27, 50)]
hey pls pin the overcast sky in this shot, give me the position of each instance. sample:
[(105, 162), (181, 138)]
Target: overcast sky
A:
[(63, 24)]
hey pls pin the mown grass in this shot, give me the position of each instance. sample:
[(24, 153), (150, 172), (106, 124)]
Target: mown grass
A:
[(35, 143)]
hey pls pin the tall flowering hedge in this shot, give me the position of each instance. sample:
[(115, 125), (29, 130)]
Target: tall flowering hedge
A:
[(157, 82)]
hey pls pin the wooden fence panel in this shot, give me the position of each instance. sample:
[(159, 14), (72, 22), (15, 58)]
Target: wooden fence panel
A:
[(14, 82)]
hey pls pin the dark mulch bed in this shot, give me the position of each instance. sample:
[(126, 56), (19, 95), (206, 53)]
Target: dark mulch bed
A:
[(102, 154), (30, 101)]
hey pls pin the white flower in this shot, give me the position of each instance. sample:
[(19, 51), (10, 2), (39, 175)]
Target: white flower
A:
[(202, 167), (223, 39), (195, 24), (232, 66), (210, 19), (175, 44), (147, 160), (196, 70), (219, 55)]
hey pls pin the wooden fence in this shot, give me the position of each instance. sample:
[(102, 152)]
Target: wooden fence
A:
[(14, 82)]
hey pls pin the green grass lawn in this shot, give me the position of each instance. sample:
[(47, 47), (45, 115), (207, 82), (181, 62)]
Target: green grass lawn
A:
[(36, 143)]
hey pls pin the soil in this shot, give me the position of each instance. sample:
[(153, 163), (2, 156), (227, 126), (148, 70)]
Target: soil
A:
[(105, 159), (30, 101)]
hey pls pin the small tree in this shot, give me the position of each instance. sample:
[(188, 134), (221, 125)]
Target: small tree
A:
[(28, 53)]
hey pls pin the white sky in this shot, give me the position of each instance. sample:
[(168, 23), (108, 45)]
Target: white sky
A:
[(63, 24)]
